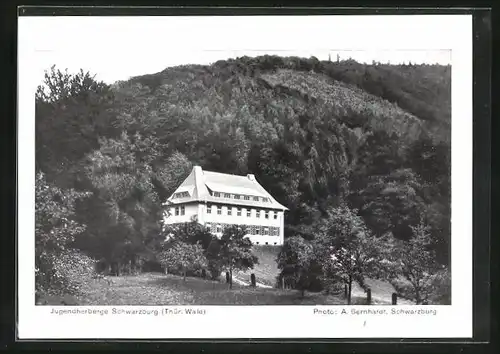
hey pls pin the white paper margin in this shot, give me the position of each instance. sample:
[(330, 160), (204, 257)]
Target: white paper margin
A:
[(452, 32)]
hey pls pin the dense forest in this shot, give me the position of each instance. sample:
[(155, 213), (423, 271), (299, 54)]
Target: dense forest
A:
[(330, 140)]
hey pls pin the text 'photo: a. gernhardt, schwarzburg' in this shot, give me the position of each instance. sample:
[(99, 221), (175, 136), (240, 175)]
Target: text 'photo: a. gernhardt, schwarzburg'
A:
[(234, 177)]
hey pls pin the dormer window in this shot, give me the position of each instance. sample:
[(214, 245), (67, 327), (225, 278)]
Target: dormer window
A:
[(265, 200), (180, 195), (217, 194), (247, 197), (236, 196), (255, 199), (227, 195)]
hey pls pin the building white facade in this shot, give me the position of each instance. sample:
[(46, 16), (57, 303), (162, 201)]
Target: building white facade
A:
[(219, 200)]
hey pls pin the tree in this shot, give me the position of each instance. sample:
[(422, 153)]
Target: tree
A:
[(171, 173), (183, 257), (349, 251), (125, 212), (191, 232), (55, 231), (415, 261), (431, 161), (72, 111), (236, 251), (296, 261), (391, 203)]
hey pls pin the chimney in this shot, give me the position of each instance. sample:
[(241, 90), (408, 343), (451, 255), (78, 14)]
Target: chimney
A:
[(251, 177)]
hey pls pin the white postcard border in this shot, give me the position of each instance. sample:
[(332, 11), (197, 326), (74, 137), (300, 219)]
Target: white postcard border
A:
[(452, 32)]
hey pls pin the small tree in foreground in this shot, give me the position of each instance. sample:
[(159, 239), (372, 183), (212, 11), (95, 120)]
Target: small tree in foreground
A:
[(55, 231), (236, 251), (348, 251), (183, 257), (296, 261), (415, 261)]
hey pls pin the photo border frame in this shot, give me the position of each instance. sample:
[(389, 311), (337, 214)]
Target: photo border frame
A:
[(481, 164)]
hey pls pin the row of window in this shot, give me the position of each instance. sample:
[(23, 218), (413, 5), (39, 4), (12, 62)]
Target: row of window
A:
[(251, 229), (240, 196), (242, 211)]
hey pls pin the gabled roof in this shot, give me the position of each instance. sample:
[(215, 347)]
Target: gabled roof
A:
[(200, 186)]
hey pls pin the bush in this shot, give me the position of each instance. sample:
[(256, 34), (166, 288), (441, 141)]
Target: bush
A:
[(403, 288), (435, 288), (66, 273), (440, 288)]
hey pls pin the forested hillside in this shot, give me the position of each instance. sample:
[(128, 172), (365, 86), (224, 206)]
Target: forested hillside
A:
[(316, 134)]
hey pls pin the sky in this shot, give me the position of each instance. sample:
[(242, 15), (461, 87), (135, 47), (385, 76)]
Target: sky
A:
[(117, 48)]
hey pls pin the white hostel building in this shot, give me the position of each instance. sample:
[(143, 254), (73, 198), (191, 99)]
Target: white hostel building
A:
[(218, 200)]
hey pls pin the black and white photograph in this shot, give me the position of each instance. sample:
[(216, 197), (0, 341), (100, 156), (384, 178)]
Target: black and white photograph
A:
[(184, 165)]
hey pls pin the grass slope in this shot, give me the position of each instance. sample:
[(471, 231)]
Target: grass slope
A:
[(159, 289), (266, 270)]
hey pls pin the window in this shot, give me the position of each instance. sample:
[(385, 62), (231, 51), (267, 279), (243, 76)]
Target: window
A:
[(267, 215), (219, 210), (247, 197), (238, 212), (249, 213), (176, 211), (257, 230), (217, 194), (265, 200), (227, 195), (219, 229), (257, 213), (275, 215), (209, 209), (266, 231), (229, 211), (236, 196), (183, 210), (209, 227), (256, 199)]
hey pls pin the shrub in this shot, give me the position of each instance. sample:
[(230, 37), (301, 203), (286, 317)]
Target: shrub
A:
[(439, 288), (66, 273)]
